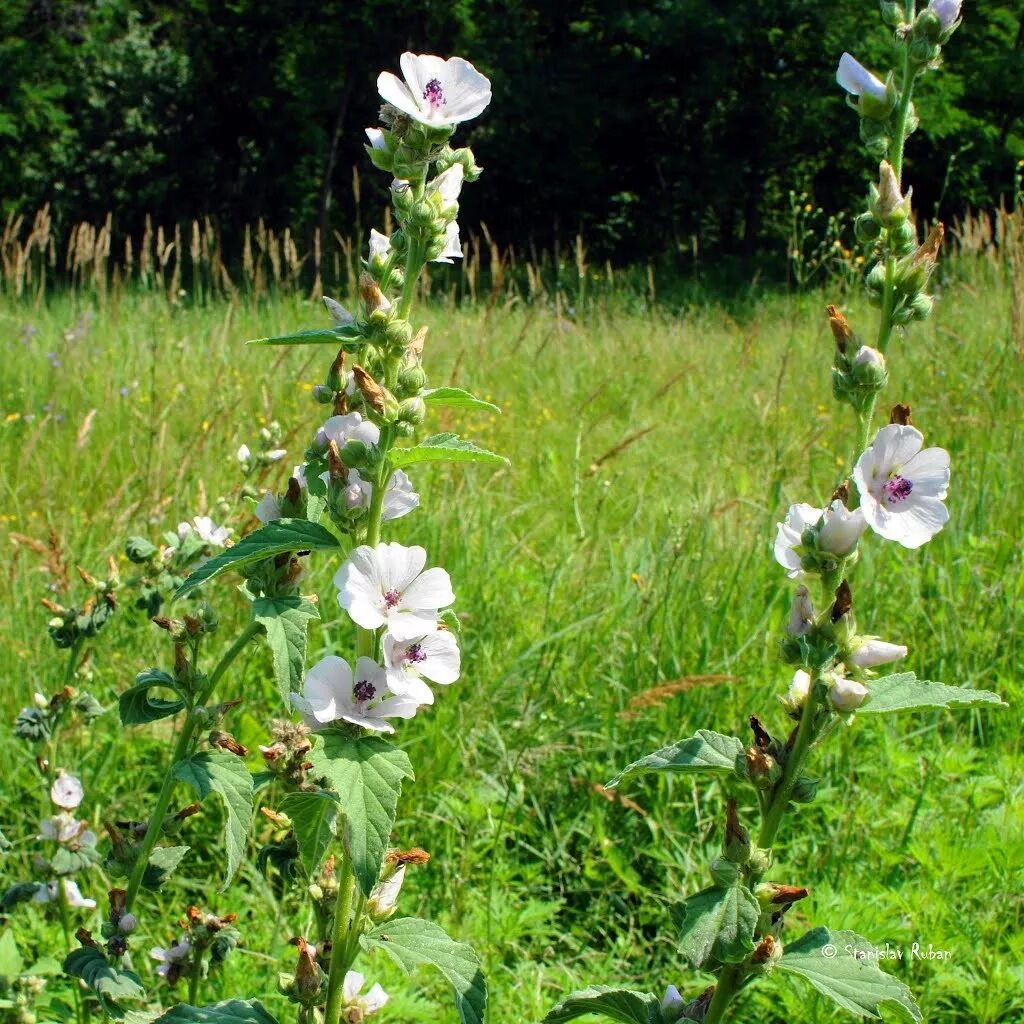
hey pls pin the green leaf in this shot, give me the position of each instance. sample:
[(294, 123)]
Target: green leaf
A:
[(844, 967), (273, 539), (110, 982), (447, 447), (708, 752), (226, 775), (718, 924), (314, 822), (285, 620), (231, 1011), (619, 1004), (136, 705), (905, 692), (366, 772), (411, 943), (456, 398), (349, 337), (163, 861), (11, 964)]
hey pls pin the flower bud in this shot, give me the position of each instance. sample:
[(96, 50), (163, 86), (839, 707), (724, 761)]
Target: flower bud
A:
[(762, 769), (804, 790), (412, 411), (128, 923), (866, 227), (892, 13), (873, 652), (724, 872), (767, 953), (323, 394), (398, 333), (796, 696), (771, 894), (892, 208), (736, 845), (383, 900), (875, 279), (840, 528), (920, 306), (801, 618), (372, 296), (846, 695)]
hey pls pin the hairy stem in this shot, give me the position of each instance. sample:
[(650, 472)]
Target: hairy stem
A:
[(342, 953), (182, 749)]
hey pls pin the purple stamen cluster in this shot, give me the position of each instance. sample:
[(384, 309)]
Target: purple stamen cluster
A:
[(897, 489), (391, 598), (415, 654), (364, 691), (433, 93)]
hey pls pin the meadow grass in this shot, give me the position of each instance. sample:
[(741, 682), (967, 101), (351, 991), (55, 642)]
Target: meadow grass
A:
[(617, 592)]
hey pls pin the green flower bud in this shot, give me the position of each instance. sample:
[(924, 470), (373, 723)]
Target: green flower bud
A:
[(398, 333), (892, 13), (411, 380), (920, 306), (413, 411), (760, 860), (423, 215), (927, 28), (139, 550), (875, 280), (724, 872), (903, 238), (866, 227), (323, 394), (922, 51), (804, 790), (911, 277)]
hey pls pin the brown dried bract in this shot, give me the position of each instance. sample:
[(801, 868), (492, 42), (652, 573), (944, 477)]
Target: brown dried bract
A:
[(841, 330), (415, 856), (900, 414), (371, 391), (843, 602)]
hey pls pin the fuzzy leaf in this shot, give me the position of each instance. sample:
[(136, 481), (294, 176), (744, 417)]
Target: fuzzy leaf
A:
[(163, 861), (138, 707), (226, 775), (457, 398), (718, 924), (110, 982), (349, 338), (447, 447), (849, 975), (366, 772), (708, 752), (905, 692), (411, 943), (314, 822), (619, 1004), (231, 1011), (285, 621), (273, 539)]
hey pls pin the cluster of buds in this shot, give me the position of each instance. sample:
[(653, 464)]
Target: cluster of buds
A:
[(120, 923), (39, 722), (205, 944), (859, 371), (70, 626), (928, 32), (307, 984), (265, 452), (287, 753)]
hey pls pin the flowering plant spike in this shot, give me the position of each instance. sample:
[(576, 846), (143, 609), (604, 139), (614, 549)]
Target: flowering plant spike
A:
[(332, 776), (734, 930)]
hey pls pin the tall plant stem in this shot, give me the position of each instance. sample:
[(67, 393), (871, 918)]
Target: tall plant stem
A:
[(192, 724), (732, 976), (342, 952)]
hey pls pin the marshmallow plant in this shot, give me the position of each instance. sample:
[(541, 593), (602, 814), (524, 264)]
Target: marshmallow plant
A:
[(332, 772), (733, 932)]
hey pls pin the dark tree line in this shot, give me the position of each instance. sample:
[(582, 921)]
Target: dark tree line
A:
[(645, 126)]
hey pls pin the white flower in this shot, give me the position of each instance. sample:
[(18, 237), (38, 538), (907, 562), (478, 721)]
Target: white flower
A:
[(269, 508), (363, 1005), (47, 892), (67, 791), (68, 830), (801, 616), (436, 91), (331, 693), (276, 454), (206, 530), (380, 245), (243, 454), (376, 137), (847, 695), (386, 586), (399, 499), (452, 245), (857, 80), (171, 956), (383, 901), (447, 186), (789, 534), (867, 354), (349, 427), (673, 1000), (840, 529), (434, 656), (339, 314), (875, 652), (947, 11), (902, 487), (799, 688)]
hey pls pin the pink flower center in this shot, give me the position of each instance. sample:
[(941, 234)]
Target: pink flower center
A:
[(364, 691), (391, 599), (415, 654), (897, 489), (433, 93)]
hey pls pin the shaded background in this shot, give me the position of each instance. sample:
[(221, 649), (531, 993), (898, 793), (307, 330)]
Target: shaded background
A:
[(669, 127)]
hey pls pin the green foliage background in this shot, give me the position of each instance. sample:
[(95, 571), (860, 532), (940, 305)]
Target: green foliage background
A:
[(656, 126)]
